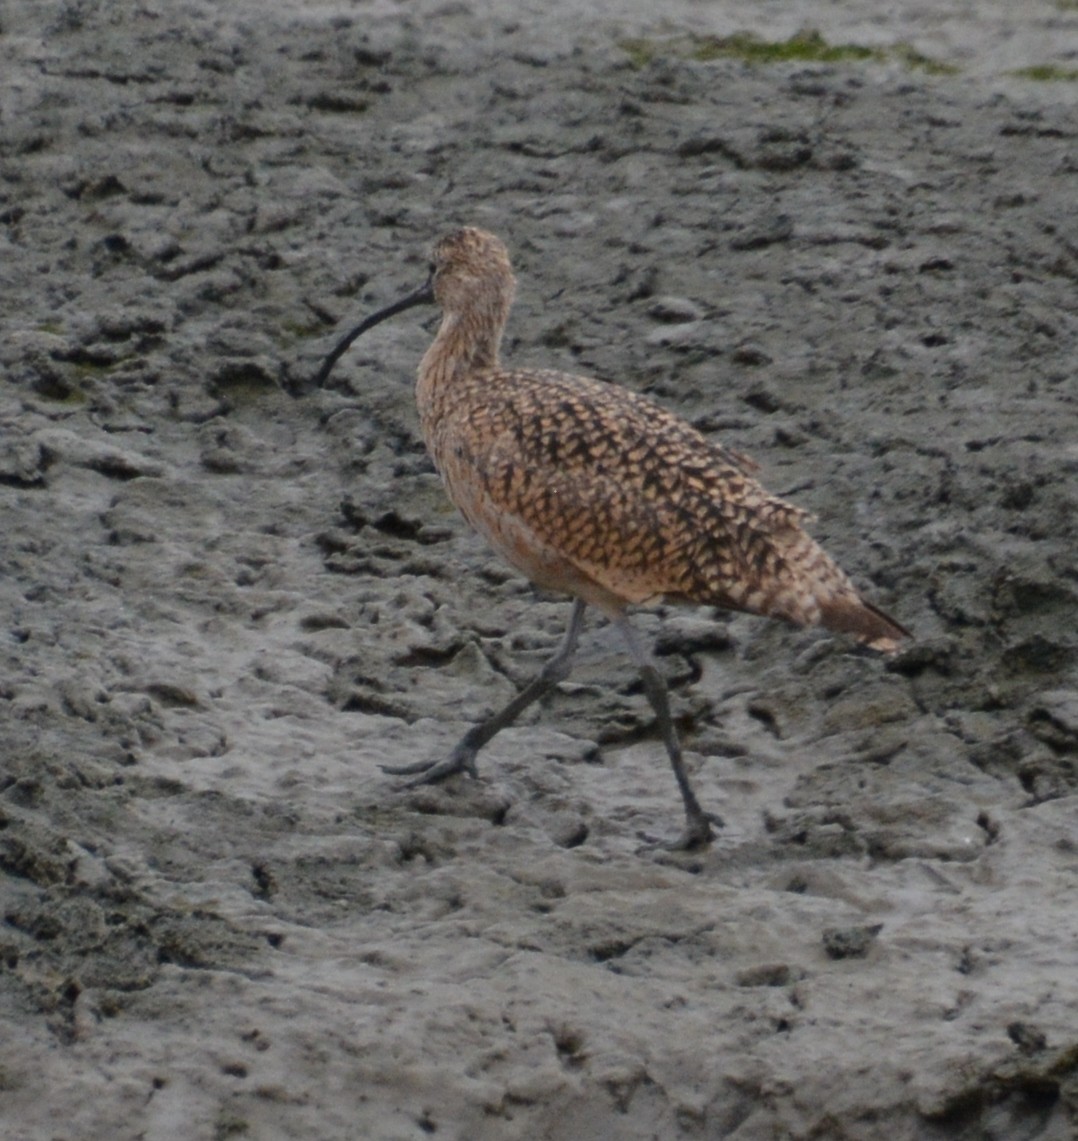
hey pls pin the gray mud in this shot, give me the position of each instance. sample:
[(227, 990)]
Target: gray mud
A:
[(227, 599)]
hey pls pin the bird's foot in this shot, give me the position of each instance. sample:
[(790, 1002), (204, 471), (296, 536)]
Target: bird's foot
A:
[(460, 760), (697, 833)]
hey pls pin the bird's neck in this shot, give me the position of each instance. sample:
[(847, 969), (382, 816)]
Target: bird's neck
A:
[(466, 343)]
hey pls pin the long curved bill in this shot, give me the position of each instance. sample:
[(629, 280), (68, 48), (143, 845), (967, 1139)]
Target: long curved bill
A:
[(422, 296)]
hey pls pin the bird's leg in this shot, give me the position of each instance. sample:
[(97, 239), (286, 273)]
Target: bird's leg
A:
[(698, 823), (462, 758)]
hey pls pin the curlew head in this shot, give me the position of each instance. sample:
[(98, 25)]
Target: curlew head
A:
[(470, 269), (469, 272)]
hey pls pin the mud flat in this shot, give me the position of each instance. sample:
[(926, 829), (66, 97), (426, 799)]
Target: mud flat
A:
[(228, 598)]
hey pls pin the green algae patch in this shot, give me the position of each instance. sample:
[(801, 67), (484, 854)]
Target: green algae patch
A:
[(918, 61), (807, 46), (1047, 73), (804, 47)]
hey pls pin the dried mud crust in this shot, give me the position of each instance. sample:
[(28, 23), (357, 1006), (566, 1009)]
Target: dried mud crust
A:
[(228, 599)]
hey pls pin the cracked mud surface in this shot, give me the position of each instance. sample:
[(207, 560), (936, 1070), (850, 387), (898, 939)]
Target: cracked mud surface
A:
[(228, 599)]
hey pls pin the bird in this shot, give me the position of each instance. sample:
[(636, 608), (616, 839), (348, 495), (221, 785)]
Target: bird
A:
[(596, 491)]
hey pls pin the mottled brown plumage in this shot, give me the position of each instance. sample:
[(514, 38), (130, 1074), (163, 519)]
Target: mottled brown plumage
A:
[(597, 491)]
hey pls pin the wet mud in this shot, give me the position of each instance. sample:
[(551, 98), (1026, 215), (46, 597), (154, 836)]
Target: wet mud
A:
[(229, 597)]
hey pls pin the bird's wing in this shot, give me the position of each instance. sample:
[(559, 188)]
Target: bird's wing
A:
[(630, 495)]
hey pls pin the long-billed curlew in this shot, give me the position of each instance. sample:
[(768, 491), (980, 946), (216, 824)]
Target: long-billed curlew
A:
[(596, 491)]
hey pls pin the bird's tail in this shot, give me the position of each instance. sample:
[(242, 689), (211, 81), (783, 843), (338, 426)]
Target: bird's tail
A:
[(849, 614)]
